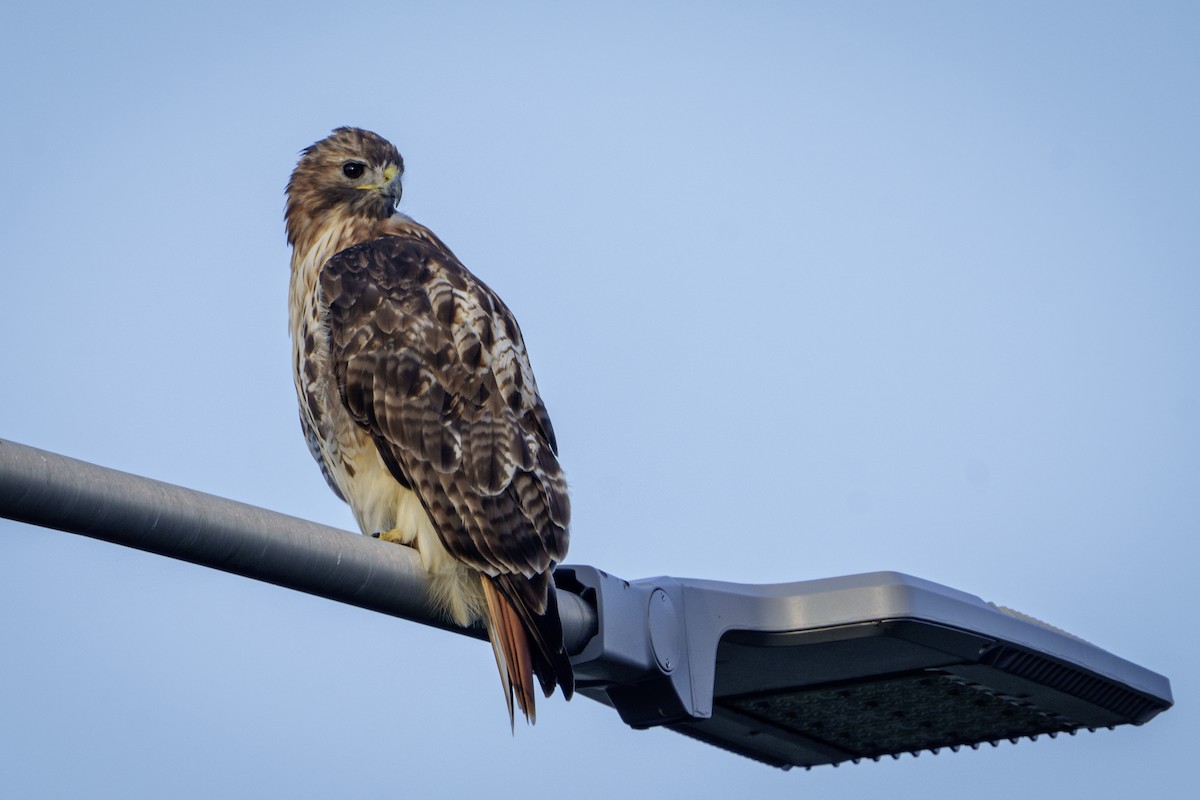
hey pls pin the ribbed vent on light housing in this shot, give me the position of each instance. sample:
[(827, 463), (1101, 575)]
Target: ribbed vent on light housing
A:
[(1121, 701)]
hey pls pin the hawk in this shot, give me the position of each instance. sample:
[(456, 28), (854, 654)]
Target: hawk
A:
[(419, 404)]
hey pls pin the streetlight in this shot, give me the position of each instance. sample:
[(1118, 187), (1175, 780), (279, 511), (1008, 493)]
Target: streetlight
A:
[(841, 669), (791, 674)]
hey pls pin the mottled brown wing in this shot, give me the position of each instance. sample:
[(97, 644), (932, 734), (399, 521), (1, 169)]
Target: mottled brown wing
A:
[(431, 362)]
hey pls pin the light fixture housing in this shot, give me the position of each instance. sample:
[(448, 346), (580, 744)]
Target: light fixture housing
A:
[(842, 669)]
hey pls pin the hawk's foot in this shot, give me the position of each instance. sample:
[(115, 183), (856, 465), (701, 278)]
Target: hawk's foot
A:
[(394, 536)]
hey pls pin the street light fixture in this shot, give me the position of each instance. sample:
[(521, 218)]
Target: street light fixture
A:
[(842, 669), (791, 674)]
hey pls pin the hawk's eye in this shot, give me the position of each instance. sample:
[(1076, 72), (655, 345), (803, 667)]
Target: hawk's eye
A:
[(353, 170)]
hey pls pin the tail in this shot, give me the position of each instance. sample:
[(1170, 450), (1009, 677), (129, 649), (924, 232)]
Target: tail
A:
[(526, 642)]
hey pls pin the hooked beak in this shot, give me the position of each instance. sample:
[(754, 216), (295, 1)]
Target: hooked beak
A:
[(391, 187)]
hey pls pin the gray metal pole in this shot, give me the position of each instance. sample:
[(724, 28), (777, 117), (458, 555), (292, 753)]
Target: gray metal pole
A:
[(54, 491)]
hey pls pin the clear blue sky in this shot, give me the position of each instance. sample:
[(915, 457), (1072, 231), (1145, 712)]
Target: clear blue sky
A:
[(810, 289)]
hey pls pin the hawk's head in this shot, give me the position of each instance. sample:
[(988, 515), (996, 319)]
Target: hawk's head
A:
[(350, 173)]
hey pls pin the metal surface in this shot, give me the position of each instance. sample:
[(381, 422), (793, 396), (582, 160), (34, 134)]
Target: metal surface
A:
[(796, 674), (841, 669), (54, 491)]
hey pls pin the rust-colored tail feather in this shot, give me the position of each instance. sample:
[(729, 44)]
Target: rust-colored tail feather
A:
[(525, 644)]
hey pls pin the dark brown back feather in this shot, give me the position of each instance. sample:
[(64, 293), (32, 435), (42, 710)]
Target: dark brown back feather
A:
[(430, 361)]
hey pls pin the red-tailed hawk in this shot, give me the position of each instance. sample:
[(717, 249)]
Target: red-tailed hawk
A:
[(418, 401)]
